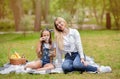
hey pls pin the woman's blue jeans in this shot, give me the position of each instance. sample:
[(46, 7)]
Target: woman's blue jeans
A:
[(72, 63)]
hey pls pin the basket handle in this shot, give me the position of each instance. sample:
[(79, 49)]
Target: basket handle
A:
[(9, 53)]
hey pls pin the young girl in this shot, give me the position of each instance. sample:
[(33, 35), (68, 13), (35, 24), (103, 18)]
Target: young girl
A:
[(45, 52)]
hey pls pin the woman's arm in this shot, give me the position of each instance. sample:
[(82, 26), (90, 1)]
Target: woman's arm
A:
[(79, 47), (79, 43), (53, 53)]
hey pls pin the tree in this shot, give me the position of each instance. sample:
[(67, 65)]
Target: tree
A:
[(98, 7), (108, 21), (69, 9), (45, 10), (16, 6), (33, 5), (2, 8), (115, 9), (68, 6), (37, 24)]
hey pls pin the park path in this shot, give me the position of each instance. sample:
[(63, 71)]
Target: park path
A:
[(82, 27), (13, 32)]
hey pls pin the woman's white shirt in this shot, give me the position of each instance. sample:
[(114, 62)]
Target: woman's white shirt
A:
[(72, 43)]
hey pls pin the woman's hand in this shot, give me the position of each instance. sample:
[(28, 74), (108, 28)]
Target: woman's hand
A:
[(52, 53), (84, 62)]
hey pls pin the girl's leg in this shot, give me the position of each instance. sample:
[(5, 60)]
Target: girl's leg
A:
[(80, 66), (34, 65), (46, 67)]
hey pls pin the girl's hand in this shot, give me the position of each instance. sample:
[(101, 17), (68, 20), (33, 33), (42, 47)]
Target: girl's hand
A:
[(84, 62), (42, 39)]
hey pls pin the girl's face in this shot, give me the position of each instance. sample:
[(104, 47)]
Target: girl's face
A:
[(60, 24), (46, 35)]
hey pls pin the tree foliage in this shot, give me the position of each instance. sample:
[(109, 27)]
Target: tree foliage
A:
[(115, 10), (74, 11)]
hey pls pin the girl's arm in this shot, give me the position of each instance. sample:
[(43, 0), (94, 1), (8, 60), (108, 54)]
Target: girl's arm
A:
[(38, 50)]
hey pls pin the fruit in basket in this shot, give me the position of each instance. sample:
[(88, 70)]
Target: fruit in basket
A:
[(15, 56)]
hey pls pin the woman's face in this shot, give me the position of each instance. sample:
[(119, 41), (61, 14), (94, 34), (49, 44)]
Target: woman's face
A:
[(60, 24)]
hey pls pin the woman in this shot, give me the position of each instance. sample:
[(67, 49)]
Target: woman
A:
[(68, 42)]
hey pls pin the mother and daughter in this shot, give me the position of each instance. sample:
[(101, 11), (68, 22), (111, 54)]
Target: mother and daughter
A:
[(68, 43)]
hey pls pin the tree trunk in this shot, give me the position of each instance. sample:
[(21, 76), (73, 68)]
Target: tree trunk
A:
[(108, 21), (2, 8), (46, 10), (37, 15), (103, 10), (73, 10), (16, 6), (33, 4), (95, 12)]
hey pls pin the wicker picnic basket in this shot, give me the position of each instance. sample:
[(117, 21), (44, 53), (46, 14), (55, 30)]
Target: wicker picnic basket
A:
[(16, 61)]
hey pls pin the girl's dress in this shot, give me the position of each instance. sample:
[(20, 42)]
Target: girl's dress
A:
[(46, 53)]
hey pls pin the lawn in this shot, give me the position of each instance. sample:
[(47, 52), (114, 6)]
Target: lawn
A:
[(102, 45)]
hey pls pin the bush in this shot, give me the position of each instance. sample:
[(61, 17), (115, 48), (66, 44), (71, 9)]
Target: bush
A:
[(27, 23), (6, 25)]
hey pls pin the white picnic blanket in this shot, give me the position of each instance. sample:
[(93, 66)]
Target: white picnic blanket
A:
[(8, 68)]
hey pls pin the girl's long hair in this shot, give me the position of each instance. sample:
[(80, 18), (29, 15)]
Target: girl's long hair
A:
[(49, 41)]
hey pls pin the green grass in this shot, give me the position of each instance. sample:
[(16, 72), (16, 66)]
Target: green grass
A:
[(102, 45)]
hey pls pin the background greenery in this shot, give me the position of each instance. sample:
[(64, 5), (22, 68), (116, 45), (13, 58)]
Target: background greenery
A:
[(102, 45), (21, 14)]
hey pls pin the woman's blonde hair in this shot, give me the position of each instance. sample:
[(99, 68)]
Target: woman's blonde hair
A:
[(59, 34)]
